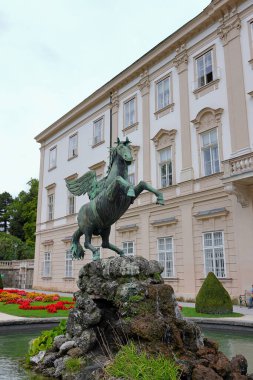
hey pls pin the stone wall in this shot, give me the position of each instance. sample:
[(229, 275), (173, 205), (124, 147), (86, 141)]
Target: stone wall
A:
[(17, 274)]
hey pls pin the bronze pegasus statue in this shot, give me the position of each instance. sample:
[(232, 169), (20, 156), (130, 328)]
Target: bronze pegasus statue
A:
[(109, 197)]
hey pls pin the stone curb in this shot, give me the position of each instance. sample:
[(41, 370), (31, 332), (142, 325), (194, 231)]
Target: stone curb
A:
[(32, 321), (221, 322)]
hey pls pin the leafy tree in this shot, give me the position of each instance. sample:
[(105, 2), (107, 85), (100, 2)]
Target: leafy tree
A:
[(22, 212), (5, 201), (11, 248)]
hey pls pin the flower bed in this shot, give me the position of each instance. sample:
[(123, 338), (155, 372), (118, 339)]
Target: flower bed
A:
[(25, 299)]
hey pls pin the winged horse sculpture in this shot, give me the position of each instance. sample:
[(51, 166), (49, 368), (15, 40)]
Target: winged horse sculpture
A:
[(109, 197)]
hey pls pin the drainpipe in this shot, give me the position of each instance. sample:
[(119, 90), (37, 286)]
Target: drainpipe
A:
[(110, 120)]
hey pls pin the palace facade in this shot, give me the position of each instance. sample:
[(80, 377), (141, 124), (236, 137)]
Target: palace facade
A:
[(187, 107)]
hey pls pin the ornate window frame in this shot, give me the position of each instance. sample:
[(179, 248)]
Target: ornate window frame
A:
[(159, 112), (96, 143), (212, 85), (73, 153), (166, 252), (70, 195), (165, 139), (207, 119), (50, 195), (135, 149), (134, 126), (52, 163)]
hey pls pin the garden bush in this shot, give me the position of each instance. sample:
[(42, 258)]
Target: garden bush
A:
[(212, 297), (1, 282), (45, 340)]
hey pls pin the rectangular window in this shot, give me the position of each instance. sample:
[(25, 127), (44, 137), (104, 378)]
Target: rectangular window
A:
[(204, 68), (131, 173), (52, 158), (129, 113), (50, 206), (98, 131), (128, 248), (69, 264), (210, 152), (165, 255), (214, 253), (163, 93), (73, 145), (165, 167), (47, 264), (71, 203)]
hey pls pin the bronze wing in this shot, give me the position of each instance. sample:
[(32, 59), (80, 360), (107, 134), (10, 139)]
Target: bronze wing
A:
[(85, 184)]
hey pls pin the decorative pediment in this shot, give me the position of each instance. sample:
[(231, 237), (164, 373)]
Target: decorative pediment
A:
[(47, 242), (208, 118), (135, 149), (97, 166), (164, 138)]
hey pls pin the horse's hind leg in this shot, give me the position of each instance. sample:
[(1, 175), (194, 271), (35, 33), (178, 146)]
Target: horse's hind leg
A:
[(76, 248), (106, 244), (88, 245)]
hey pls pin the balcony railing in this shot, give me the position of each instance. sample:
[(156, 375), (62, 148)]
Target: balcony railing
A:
[(17, 264), (241, 166)]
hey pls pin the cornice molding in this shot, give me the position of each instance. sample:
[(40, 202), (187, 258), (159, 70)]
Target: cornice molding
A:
[(181, 59), (144, 83), (230, 27)]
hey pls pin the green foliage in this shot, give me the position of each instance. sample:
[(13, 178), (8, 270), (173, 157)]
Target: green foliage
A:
[(136, 298), (1, 282), (73, 365), (22, 213), (46, 338), (130, 363), (5, 201), (157, 276), (11, 248), (212, 297)]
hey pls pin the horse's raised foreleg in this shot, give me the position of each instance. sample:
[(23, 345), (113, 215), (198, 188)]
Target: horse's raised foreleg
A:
[(76, 248), (106, 244), (88, 245), (145, 186), (119, 184)]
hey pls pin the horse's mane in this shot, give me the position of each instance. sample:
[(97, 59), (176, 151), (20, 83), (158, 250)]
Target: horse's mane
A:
[(112, 155)]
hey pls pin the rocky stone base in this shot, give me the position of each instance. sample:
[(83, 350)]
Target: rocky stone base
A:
[(123, 299)]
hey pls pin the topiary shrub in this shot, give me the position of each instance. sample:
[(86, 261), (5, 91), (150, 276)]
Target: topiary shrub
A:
[(212, 297), (1, 282)]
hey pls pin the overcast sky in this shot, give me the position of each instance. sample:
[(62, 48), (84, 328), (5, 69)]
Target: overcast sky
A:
[(54, 53)]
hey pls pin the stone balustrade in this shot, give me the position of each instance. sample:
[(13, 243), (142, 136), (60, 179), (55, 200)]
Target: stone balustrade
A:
[(238, 165)]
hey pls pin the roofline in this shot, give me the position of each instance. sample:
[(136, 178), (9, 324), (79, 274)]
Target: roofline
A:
[(213, 12)]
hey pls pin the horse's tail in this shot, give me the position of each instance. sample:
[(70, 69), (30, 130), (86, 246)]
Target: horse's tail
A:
[(76, 248)]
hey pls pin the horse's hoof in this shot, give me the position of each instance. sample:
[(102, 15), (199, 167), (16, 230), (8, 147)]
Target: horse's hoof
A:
[(160, 201), (96, 256), (131, 192)]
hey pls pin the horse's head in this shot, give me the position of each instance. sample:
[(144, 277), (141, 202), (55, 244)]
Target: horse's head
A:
[(124, 151)]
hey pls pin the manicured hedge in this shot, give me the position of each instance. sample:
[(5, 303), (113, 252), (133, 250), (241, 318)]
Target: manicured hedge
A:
[(212, 297)]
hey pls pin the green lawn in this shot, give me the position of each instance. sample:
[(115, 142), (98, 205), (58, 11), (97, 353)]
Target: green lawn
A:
[(13, 309), (190, 312)]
